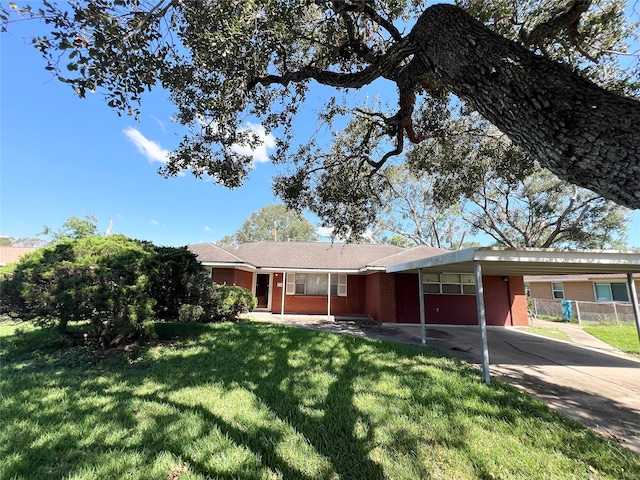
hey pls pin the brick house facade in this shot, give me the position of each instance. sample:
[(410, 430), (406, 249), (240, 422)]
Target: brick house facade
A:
[(351, 280)]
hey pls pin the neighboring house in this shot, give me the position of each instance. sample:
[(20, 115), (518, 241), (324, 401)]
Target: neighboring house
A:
[(352, 279), (12, 254), (582, 287)]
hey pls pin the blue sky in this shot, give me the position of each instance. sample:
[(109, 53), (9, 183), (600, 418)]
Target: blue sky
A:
[(62, 156)]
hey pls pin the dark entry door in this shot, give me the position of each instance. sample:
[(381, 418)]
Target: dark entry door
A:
[(262, 290)]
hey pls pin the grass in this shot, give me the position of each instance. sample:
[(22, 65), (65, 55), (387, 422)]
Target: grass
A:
[(550, 332), (253, 400), (623, 337)]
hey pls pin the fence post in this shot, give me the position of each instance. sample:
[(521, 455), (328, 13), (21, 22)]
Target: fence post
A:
[(578, 313), (535, 307), (615, 312)]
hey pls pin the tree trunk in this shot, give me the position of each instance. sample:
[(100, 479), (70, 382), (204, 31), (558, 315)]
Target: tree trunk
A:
[(583, 133)]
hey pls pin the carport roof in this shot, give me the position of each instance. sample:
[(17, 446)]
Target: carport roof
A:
[(527, 261)]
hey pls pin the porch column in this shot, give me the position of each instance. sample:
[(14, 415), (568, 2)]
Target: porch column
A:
[(423, 331), (329, 296), (634, 301), (482, 323), (284, 291)]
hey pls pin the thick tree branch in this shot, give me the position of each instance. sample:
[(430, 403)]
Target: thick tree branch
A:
[(385, 65), (581, 132), (566, 17)]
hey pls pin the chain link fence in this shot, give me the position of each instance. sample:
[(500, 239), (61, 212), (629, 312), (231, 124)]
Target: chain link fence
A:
[(585, 313)]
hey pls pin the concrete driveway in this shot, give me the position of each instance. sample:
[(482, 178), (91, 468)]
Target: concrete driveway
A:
[(588, 381)]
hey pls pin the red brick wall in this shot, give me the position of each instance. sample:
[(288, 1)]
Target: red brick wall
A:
[(244, 279), (352, 304), (372, 295), (232, 276), (380, 297), (518, 301)]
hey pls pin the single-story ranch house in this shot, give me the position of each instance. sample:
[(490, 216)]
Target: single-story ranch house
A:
[(352, 279)]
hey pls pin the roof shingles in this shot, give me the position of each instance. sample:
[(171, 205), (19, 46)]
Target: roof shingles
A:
[(312, 256)]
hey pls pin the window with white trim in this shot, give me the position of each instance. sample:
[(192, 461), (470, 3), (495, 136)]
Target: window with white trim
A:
[(527, 290), (316, 284), (557, 289), (611, 292), (449, 283)]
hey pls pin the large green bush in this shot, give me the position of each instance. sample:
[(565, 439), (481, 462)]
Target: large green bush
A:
[(99, 280), (178, 278), (117, 286), (229, 301)]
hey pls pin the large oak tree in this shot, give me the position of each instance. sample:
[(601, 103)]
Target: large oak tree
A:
[(228, 62)]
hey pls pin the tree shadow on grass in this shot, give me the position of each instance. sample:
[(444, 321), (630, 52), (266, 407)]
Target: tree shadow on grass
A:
[(306, 384)]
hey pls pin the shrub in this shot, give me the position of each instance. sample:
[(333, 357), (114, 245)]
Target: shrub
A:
[(191, 313), (178, 278), (98, 280), (230, 301)]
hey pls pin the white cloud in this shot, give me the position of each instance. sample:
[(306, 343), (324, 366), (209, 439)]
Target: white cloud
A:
[(155, 153), (159, 122), (207, 228), (267, 141), (327, 232), (324, 232), (155, 222), (149, 148)]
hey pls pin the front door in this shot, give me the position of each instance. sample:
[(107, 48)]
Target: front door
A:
[(262, 290)]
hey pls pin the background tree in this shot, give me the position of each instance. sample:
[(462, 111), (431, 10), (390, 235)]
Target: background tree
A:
[(23, 242), (268, 52), (274, 222), (543, 211), (470, 177), (74, 228), (410, 211)]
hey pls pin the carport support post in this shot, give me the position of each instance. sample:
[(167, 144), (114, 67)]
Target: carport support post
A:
[(482, 322), (423, 331), (634, 301)]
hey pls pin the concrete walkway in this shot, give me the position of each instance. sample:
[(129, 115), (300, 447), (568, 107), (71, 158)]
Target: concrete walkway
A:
[(588, 380)]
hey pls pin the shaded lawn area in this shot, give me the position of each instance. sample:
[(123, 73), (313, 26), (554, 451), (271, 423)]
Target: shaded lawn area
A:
[(623, 337), (260, 401)]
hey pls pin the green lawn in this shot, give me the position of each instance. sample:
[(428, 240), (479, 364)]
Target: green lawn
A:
[(623, 337), (259, 401), (555, 333)]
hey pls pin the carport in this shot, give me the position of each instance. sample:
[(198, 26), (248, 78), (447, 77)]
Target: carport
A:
[(518, 262)]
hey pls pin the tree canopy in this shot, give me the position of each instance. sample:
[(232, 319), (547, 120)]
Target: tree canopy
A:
[(75, 228), (273, 222), (546, 75)]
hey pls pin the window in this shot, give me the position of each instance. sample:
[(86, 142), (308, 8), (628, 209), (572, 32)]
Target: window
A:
[(449, 283), (611, 292), (558, 290), (527, 290), (316, 284)]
